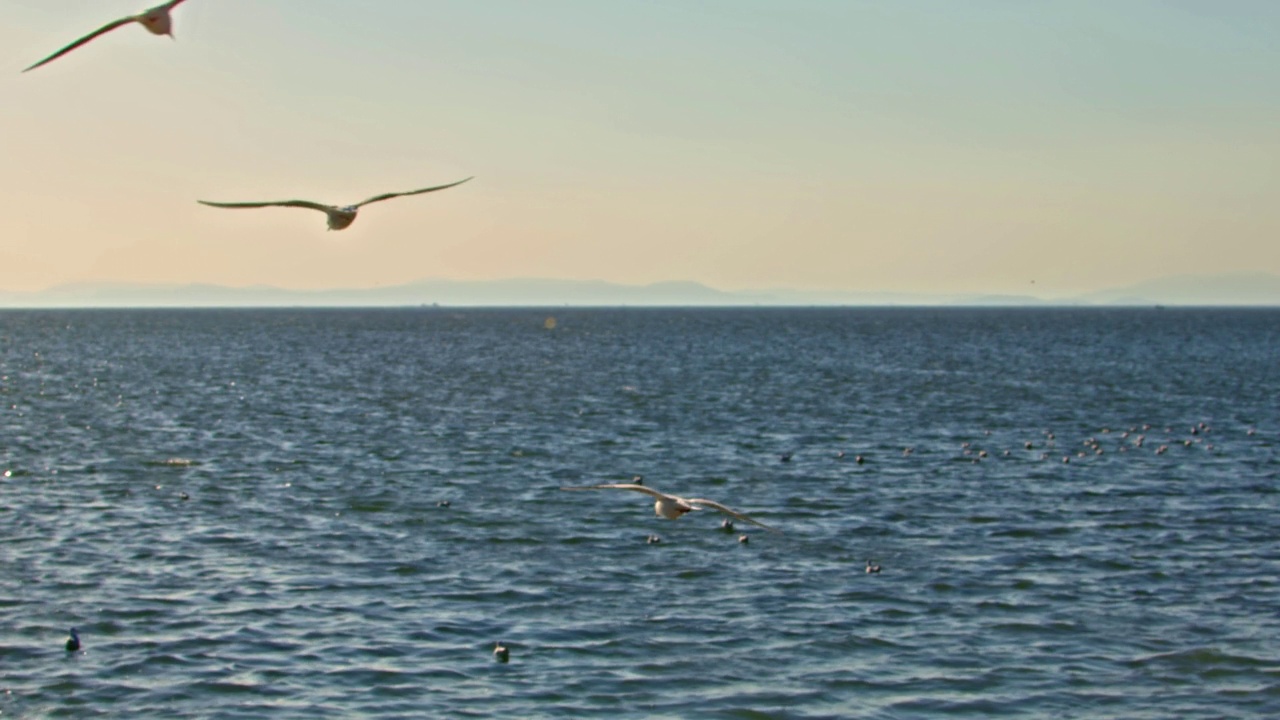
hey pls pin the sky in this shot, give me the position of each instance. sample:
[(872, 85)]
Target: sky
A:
[(976, 146)]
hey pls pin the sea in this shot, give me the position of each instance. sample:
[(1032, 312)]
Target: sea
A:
[(337, 513)]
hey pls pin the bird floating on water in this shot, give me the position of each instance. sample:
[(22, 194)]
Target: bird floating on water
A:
[(339, 216), (672, 506), (872, 567), (500, 652), (156, 20), (73, 642)]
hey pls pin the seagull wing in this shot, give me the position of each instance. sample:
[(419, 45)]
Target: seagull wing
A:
[(102, 30), (172, 4), (388, 196), (279, 203), (621, 486), (727, 511)]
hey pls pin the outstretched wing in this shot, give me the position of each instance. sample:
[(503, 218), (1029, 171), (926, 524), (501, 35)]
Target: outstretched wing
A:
[(620, 486), (279, 203), (727, 511), (172, 4), (102, 30), (388, 196)]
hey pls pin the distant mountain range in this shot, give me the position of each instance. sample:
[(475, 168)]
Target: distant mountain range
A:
[(1255, 289)]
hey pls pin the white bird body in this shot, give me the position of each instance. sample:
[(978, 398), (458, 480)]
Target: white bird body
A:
[(156, 20), (338, 216), (672, 507)]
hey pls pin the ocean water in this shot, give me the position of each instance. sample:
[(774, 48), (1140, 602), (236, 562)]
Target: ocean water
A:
[(337, 513)]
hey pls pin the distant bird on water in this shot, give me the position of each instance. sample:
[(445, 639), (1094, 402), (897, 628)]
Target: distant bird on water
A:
[(672, 506), (73, 642), (500, 652), (872, 567), (339, 216), (156, 20)]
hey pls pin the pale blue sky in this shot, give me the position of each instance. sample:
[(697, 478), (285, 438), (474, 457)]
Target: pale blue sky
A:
[(910, 146)]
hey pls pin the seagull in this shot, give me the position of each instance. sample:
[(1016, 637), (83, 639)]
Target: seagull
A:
[(73, 642), (500, 652), (872, 568), (339, 217), (156, 20), (672, 506)]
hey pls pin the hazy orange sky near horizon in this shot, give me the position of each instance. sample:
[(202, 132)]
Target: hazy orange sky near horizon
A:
[(903, 146)]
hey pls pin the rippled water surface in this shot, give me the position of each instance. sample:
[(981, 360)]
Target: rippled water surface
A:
[(336, 513)]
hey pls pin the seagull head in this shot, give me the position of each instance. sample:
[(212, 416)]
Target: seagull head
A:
[(342, 217), (157, 21)]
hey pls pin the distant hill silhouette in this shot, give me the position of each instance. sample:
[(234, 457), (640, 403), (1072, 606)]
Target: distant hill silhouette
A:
[(1231, 289), (1259, 289)]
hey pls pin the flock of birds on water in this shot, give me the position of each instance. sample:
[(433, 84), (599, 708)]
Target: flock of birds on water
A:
[(673, 507), (158, 21)]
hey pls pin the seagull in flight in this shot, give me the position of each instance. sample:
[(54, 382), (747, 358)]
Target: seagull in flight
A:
[(156, 20), (339, 216), (672, 507)]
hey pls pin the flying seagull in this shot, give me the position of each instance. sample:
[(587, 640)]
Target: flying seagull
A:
[(339, 216), (672, 506), (156, 20)]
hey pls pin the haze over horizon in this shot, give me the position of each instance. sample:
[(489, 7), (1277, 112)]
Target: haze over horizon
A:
[(910, 147)]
